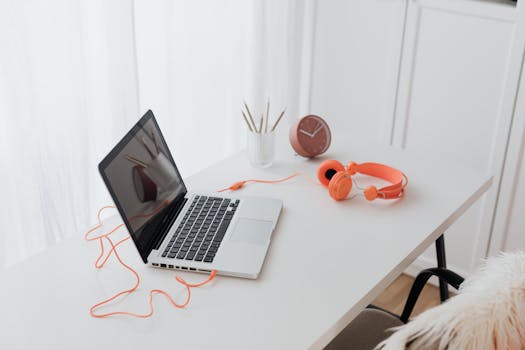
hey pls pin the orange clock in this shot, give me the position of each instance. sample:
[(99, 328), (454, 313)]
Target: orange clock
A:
[(310, 136)]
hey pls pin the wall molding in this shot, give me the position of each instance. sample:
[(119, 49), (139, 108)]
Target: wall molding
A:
[(514, 154), (397, 61)]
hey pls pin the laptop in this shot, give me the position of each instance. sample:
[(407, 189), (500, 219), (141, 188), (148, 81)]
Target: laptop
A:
[(174, 228)]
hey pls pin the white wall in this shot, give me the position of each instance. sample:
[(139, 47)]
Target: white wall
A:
[(509, 223), (355, 65), (456, 87), (437, 75)]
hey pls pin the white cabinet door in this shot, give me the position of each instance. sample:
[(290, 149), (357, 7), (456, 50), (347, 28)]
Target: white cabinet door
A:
[(457, 86)]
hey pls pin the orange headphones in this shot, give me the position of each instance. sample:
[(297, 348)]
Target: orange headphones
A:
[(338, 179)]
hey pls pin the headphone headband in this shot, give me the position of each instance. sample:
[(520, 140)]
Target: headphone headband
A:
[(397, 179)]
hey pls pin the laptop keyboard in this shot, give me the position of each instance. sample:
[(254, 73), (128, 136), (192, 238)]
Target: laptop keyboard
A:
[(202, 229)]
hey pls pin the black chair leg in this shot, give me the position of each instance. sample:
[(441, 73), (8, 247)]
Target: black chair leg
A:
[(447, 276), (442, 263)]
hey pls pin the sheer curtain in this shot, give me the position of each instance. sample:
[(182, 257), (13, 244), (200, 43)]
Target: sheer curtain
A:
[(198, 60), (76, 75)]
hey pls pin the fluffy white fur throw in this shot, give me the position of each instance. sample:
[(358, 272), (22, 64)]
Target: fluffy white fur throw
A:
[(488, 312)]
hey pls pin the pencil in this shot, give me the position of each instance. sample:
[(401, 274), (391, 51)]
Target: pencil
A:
[(261, 123), (147, 148), (267, 114), (250, 115), (155, 141), (136, 161), (246, 120), (278, 120)]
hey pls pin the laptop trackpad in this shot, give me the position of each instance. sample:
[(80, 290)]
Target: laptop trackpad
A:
[(252, 231)]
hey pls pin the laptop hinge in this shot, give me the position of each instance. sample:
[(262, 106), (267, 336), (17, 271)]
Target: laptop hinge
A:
[(160, 238)]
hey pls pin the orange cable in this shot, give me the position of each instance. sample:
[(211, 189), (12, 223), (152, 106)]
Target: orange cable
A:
[(239, 184), (114, 251)]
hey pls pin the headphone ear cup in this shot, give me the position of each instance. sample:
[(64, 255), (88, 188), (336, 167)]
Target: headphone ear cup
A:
[(340, 186), (327, 170)]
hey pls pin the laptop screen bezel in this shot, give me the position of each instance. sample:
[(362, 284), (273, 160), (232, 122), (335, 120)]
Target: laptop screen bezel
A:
[(178, 200)]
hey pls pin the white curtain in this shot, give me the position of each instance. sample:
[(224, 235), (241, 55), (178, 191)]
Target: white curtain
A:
[(76, 75)]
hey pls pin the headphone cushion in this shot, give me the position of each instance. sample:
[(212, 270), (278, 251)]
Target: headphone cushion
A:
[(340, 186), (327, 170)]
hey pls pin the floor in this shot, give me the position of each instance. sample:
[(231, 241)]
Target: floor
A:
[(394, 296)]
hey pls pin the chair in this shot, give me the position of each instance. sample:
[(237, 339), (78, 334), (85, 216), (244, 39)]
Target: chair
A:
[(487, 313)]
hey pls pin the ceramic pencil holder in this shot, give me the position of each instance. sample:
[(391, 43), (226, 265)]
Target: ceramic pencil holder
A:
[(261, 148)]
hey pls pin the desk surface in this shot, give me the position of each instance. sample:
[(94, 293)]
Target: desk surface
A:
[(326, 262)]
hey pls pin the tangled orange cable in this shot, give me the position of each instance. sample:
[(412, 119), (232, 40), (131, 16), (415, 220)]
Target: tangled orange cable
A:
[(113, 250)]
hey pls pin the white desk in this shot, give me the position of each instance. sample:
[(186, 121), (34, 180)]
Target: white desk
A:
[(327, 261)]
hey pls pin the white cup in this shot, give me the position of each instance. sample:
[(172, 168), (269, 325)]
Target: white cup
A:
[(261, 149)]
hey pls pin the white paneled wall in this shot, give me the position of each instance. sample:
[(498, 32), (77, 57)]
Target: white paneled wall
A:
[(437, 75), (508, 231), (355, 65), (454, 85)]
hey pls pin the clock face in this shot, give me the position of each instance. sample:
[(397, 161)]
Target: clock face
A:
[(311, 136)]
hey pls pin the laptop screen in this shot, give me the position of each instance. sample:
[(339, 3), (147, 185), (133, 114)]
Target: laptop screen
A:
[(144, 182)]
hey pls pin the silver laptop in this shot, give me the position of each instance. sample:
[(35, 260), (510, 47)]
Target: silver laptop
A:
[(174, 228)]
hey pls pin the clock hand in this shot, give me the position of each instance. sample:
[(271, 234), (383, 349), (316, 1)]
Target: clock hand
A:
[(317, 130), (306, 133)]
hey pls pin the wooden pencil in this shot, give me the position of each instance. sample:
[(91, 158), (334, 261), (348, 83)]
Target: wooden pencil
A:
[(267, 116), (246, 120), (261, 124), (250, 115), (278, 120)]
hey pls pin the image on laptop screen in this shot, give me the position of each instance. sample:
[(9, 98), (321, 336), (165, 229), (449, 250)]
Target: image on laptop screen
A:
[(143, 179)]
